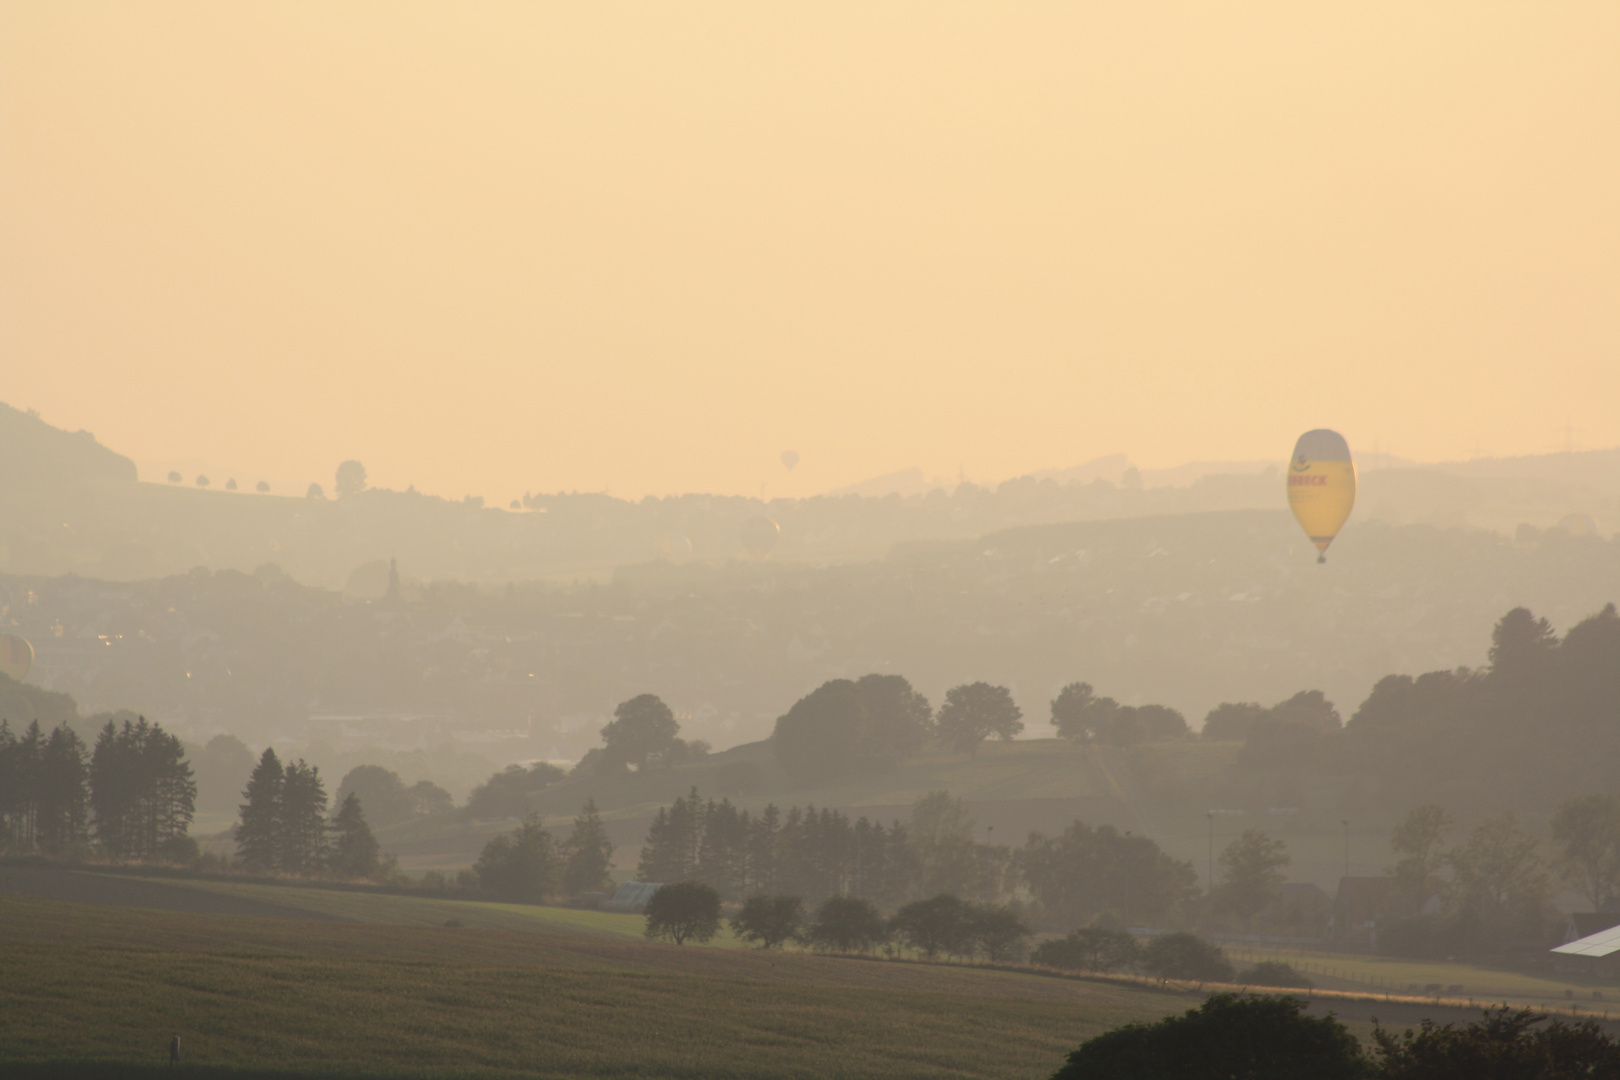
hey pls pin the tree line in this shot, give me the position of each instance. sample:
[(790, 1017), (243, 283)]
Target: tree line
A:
[(1493, 889), (1069, 879), (130, 797)]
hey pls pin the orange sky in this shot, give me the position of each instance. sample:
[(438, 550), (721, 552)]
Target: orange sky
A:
[(506, 247)]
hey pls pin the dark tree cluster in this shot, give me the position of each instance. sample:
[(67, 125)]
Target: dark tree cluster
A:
[(948, 925), (133, 794), (142, 795), (643, 734), (527, 864), (817, 853), (844, 725), (1538, 722), (1274, 1038), (44, 790), (808, 853), (506, 794), (1079, 714), (1085, 872), (283, 825), (1494, 888), (388, 801)]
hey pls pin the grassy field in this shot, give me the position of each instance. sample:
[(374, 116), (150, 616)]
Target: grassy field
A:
[(1377, 974), (516, 990), (83, 986)]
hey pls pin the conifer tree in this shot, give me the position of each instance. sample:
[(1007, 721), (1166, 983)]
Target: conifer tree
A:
[(589, 854), (64, 792), (258, 835), (354, 849), (302, 819), (522, 865), (141, 790), (19, 785)]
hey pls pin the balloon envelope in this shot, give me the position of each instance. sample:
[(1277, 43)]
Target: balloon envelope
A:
[(790, 458), (1579, 524), (759, 536), (16, 656), (1321, 485)]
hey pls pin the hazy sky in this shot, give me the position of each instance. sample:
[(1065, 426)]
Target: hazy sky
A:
[(490, 248)]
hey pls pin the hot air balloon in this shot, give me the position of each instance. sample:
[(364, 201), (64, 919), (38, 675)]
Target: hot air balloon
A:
[(16, 656), (1578, 524), (1321, 486), (790, 458), (759, 536), (675, 547)]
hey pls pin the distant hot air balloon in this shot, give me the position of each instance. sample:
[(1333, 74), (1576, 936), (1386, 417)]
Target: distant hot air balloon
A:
[(1578, 524), (1321, 486), (790, 458), (675, 547), (759, 536), (16, 656)]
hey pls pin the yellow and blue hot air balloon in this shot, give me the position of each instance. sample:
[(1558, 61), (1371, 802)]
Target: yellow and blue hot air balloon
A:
[(1321, 486)]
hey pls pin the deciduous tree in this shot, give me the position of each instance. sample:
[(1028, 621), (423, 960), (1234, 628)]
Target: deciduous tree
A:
[(683, 911), (769, 921), (975, 711)]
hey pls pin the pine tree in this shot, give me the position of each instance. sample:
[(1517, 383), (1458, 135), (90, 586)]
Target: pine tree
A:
[(521, 865), (302, 819), (354, 848), (258, 836), (672, 844), (141, 790), (589, 854), (19, 785), (64, 792), (723, 851), (763, 852)]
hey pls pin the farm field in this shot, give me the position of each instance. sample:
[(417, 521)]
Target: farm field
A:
[(83, 985), (377, 985)]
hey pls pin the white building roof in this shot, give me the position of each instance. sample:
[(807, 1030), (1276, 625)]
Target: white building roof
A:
[(1601, 943)]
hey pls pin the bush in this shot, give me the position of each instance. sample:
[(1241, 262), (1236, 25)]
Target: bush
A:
[(1258, 1038), (1091, 948), (682, 911), (1272, 973), (1186, 956), (847, 924)]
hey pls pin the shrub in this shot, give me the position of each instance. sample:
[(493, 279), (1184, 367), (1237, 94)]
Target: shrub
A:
[(1091, 948), (1186, 956), (1272, 973)]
